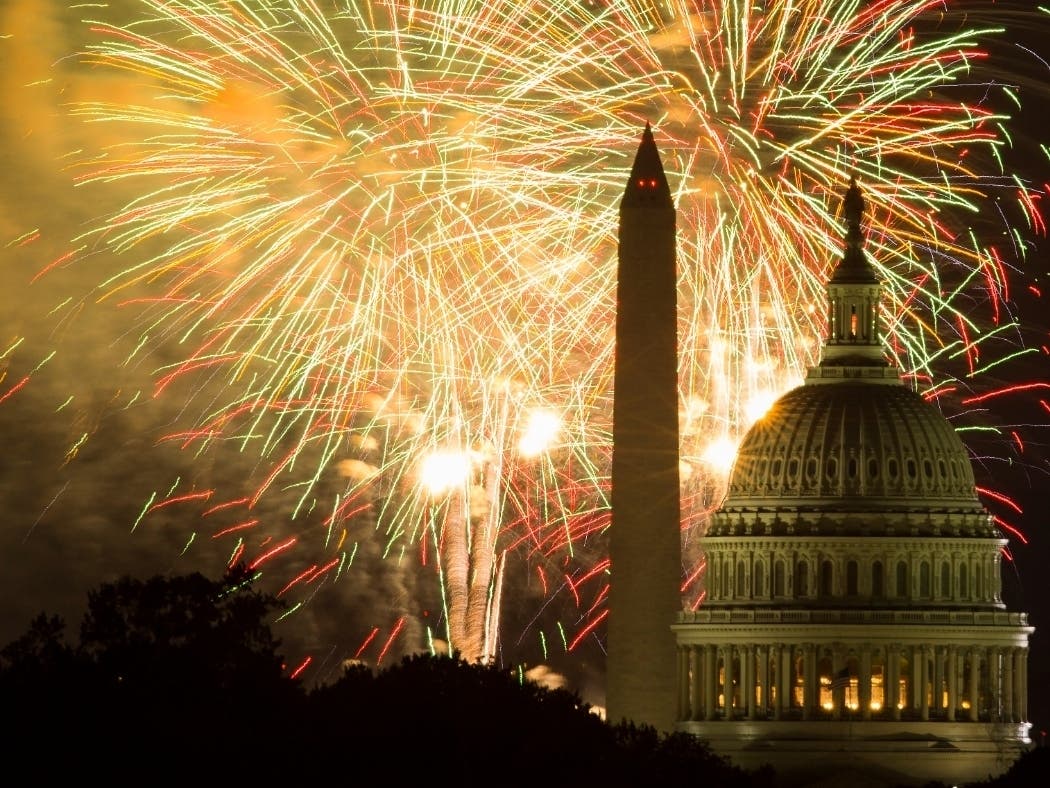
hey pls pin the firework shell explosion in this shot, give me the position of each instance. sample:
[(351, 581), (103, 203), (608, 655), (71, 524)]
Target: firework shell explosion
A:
[(376, 242)]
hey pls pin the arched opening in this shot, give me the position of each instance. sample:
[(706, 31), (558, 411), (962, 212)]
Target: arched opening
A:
[(778, 578), (851, 578), (741, 579), (902, 579), (759, 579), (924, 579), (827, 578), (946, 580), (878, 588), (801, 579)]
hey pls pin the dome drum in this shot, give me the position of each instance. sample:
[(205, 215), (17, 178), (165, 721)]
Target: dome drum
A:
[(874, 573)]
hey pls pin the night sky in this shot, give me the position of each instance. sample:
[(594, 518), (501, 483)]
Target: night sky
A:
[(82, 454)]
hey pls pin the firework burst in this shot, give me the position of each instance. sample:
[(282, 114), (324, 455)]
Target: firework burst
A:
[(380, 238)]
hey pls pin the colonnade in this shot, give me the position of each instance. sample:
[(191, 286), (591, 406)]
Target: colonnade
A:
[(871, 681)]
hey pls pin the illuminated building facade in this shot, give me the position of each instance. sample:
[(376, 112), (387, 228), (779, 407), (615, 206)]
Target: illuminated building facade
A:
[(853, 618)]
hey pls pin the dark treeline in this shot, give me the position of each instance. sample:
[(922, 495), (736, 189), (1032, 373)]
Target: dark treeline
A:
[(180, 679)]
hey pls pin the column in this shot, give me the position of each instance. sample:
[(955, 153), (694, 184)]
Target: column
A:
[(938, 681), (923, 685), (727, 684), (747, 682), (684, 680), (864, 682), (911, 697), (1021, 683), (787, 678), (696, 685), (791, 655), (810, 691), (710, 681), (953, 683), (763, 679), (1007, 695), (893, 672), (781, 701), (838, 693), (975, 671)]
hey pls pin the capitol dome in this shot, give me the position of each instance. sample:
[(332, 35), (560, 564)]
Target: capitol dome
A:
[(852, 614), (853, 437), (853, 445)]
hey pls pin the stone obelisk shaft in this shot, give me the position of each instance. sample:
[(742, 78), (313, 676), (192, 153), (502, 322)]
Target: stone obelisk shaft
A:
[(645, 537)]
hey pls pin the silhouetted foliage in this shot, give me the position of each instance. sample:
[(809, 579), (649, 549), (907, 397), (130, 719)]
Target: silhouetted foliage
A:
[(168, 666), (1031, 769), (164, 634), (647, 757), (178, 680), (428, 714)]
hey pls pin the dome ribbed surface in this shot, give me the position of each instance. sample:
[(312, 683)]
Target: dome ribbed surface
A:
[(823, 445)]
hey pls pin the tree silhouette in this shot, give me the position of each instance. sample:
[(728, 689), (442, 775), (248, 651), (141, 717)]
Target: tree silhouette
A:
[(178, 680), (170, 665)]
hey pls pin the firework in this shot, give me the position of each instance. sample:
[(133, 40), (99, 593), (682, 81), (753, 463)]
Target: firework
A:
[(380, 238)]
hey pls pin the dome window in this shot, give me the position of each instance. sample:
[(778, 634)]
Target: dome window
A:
[(851, 468), (902, 579), (927, 468), (811, 468), (832, 468), (873, 468), (913, 470), (793, 469), (891, 467), (776, 467), (827, 579), (801, 579), (942, 468)]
